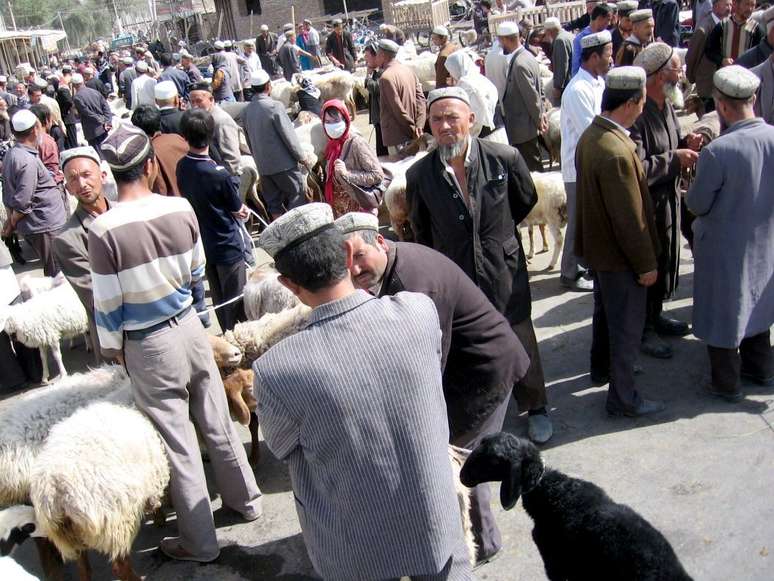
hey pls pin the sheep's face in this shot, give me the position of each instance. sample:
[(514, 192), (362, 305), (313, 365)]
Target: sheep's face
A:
[(515, 462), (226, 355), (239, 394)]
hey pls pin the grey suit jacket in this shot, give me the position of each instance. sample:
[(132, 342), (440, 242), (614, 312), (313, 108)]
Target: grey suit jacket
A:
[(94, 112), (561, 59), (272, 139), (523, 99), (354, 404)]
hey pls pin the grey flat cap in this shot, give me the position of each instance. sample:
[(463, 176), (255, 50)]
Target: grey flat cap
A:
[(356, 221), (388, 45), (640, 15), (654, 57), (76, 152), (448, 93), (625, 78), (296, 226), (626, 7), (735, 82), (597, 39)]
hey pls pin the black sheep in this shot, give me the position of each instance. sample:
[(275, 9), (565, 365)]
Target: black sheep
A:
[(582, 535)]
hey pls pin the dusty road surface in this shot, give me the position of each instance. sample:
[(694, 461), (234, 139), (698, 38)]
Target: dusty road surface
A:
[(702, 471)]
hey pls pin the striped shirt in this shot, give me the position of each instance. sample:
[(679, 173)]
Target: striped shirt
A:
[(144, 257)]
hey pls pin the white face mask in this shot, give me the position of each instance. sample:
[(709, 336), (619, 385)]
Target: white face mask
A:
[(335, 130)]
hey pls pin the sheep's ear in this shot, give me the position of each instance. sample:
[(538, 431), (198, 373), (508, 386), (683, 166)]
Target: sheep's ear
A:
[(510, 489)]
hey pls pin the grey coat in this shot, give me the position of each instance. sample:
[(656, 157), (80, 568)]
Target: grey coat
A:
[(523, 99), (733, 199), (764, 104), (270, 134), (363, 430), (561, 59), (94, 112)]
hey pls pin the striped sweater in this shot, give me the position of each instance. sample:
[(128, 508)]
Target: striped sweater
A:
[(144, 257)]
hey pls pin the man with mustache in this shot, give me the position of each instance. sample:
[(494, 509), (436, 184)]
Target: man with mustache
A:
[(664, 154)]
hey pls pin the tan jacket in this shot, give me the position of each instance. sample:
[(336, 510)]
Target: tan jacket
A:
[(615, 227), (402, 108), (442, 76), (700, 69)]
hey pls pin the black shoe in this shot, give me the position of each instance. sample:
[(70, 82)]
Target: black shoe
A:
[(672, 327), (757, 379), (654, 346), (729, 396), (647, 406)]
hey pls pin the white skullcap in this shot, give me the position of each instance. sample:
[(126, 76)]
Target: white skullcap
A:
[(165, 90), (508, 29), (337, 22), (259, 78), (388, 45), (141, 66), (88, 71), (552, 23), (184, 54), (448, 93), (640, 15), (228, 44), (23, 120), (3, 79), (127, 60), (626, 6), (295, 227), (734, 82), (40, 83), (356, 221), (264, 28), (218, 44), (249, 42), (654, 57), (76, 152), (440, 31), (287, 26), (625, 78), (597, 39), (76, 79)]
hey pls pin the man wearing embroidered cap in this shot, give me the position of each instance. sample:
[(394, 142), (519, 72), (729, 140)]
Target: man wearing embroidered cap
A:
[(665, 153), (440, 38), (561, 55), (623, 27), (143, 86), (733, 36), (168, 102), (616, 236), (481, 356), (699, 69), (581, 102), (125, 78), (36, 207), (324, 424), (641, 36), (145, 255), (758, 54), (266, 47), (601, 19), (733, 201), (402, 111), (84, 179), (481, 237)]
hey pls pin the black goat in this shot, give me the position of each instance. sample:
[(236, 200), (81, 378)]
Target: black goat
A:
[(582, 535)]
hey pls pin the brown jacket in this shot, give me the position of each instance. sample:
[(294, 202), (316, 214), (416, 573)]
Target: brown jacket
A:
[(700, 69), (442, 76), (402, 108), (615, 229), (170, 148)]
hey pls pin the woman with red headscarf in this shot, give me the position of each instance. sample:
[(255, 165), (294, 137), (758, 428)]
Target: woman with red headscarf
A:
[(353, 173)]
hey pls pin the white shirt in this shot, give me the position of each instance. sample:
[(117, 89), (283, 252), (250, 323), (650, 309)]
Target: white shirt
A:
[(254, 62), (581, 101), (143, 88), (314, 36)]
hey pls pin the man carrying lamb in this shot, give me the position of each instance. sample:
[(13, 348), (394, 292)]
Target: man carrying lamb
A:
[(365, 436)]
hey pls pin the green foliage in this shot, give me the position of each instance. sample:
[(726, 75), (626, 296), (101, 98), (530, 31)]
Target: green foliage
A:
[(84, 20)]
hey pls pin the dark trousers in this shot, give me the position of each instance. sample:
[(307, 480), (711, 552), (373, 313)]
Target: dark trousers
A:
[(753, 358), (483, 523), (686, 224), (381, 148), (19, 364), (42, 243), (283, 191), (619, 318), (95, 142), (226, 282), (530, 151), (71, 139), (530, 390)]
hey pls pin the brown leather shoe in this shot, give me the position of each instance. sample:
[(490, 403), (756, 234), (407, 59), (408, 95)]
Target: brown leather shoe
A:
[(172, 548)]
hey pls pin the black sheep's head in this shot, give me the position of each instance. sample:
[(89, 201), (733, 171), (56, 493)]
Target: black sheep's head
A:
[(515, 462)]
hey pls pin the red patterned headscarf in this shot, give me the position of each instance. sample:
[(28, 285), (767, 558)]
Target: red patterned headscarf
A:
[(334, 147)]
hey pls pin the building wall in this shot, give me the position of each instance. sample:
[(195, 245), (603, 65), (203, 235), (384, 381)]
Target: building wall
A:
[(274, 13)]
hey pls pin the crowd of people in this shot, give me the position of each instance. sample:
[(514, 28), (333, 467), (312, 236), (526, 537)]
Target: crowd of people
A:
[(411, 346)]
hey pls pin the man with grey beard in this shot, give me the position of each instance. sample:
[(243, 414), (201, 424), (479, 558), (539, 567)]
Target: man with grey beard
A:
[(664, 154), (465, 200)]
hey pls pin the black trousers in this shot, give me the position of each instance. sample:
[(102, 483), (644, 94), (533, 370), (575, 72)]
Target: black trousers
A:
[(753, 357), (530, 390), (530, 151), (619, 318), (71, 139), (381, 148), (226, 282), (483, 523)]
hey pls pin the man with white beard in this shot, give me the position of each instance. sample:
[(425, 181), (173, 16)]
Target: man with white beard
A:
[(664, 154)]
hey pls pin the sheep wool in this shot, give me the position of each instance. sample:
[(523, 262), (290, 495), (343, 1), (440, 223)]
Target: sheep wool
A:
[(265, 294), (551, 209), (254, 338), (99, 472), (25, 425)]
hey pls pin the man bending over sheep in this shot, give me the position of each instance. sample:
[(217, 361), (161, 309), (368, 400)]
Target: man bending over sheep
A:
[(145, 255), (365, 435), (481, 355)]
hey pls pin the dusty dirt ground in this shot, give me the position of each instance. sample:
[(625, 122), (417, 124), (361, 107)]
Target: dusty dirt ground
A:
[(702, 471)]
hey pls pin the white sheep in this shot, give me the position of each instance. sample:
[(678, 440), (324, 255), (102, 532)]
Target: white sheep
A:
[(44, 320), (550, 210), (10, 570), (553, 136), (423, 67), (254, 338), (263, 293), (395, 195), (98, 473), (25, 425), (333, 84)]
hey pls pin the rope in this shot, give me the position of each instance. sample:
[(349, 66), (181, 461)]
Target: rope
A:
[(221, 305)]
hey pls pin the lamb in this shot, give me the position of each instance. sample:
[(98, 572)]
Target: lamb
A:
[(424, 68), (551, 210), (395, 195), (333, 84), (552, 138), (46, 319), (79, 508), (580, 532), (242, 405), (265, 294)]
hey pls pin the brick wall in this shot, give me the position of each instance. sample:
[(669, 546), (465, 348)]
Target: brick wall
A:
[(274, 13)]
